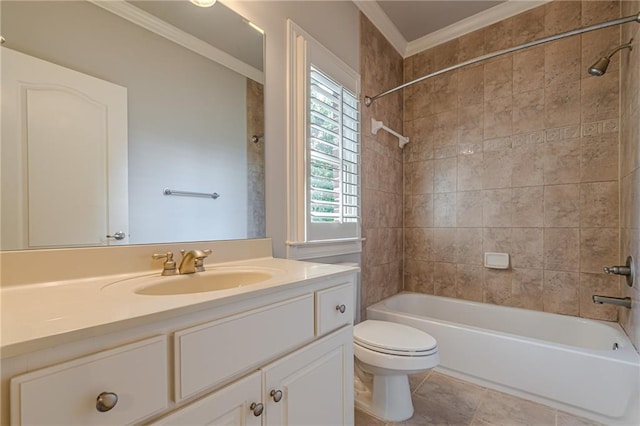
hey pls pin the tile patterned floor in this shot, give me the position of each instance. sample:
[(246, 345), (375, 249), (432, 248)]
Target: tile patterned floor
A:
[(443, 400)]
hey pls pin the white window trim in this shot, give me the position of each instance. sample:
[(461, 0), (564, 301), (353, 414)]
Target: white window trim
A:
[(300, 47)]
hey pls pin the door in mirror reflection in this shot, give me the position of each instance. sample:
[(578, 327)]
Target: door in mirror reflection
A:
[(64, 156)]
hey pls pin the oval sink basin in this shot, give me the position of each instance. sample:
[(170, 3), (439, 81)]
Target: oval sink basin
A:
[(201, 282)]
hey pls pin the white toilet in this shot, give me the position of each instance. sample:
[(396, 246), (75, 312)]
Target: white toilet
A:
[(389, 352)]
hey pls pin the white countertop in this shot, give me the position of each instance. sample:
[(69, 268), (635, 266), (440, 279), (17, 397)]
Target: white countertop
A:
[(43, 315)]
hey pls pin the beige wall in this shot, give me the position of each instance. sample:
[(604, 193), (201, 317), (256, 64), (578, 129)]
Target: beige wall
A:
[(380, 69), (516, 155), (630, 168)]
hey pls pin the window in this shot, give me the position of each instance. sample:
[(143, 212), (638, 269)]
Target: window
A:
[(333, 151), (324, 180)]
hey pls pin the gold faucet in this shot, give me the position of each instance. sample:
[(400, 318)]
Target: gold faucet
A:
[(192, 261)]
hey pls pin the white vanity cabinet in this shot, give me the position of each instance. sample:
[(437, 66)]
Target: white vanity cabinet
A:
[(279, 358), (313, 385)]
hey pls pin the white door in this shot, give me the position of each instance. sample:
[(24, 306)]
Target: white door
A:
[(316, 384), (230, 406), (64, 156)]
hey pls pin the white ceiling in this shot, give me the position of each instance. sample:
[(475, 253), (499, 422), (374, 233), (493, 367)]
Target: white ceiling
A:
[(415, 19), (414, 26)]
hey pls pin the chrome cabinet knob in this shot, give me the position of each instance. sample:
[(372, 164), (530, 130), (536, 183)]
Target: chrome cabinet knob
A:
[(257, 409), (341, 308), (117, 235), (276, 395), (106, 401)]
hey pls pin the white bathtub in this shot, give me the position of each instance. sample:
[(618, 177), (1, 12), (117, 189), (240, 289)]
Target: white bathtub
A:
[(562, 361)]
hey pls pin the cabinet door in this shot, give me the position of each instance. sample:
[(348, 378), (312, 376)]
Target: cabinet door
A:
[(316, 383), (230, 406)]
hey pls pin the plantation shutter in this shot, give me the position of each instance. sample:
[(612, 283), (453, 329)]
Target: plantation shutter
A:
[(333, 155)]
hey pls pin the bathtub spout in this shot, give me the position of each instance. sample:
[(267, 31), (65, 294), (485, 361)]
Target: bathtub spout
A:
[(620, 301)]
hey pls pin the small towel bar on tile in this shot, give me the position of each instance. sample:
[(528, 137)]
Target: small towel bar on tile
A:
[(215, 195)]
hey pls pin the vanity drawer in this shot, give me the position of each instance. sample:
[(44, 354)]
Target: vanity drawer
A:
[(334, 308), (66, 394), (210, 353)]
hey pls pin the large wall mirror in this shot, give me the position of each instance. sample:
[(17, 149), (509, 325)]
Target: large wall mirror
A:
[(129, 122)]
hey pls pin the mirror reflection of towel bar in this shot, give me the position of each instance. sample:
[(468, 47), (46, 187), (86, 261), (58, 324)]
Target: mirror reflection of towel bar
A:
[(215, 195)]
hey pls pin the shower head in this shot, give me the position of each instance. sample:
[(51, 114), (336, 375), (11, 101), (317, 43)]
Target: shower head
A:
[(600, 66)]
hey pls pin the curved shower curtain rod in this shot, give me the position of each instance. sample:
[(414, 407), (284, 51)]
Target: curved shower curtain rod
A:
[(632, 18)]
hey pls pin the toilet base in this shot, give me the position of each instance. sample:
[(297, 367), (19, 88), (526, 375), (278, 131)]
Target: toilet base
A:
[(388, 397)]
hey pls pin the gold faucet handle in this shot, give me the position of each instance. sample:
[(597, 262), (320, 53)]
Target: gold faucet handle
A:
[(168, 255), (169, 267), (199, 262)]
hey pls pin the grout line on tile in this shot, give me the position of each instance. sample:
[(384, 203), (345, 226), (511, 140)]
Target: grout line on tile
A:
[(475, 413), (422, 382)]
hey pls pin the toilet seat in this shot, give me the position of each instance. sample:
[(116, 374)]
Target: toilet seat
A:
[(394, 339)]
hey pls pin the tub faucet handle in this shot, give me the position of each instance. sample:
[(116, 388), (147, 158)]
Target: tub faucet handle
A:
[(618, 270), (625, 270)]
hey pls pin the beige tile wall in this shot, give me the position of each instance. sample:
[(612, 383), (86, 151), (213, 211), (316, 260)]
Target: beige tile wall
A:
[(380, 69), (630, 168), (517, 155)]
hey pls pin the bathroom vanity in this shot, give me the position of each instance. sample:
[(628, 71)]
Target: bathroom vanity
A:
[(99, 351)]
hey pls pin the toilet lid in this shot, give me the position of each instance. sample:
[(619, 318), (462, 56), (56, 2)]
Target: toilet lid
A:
[(391, 336)]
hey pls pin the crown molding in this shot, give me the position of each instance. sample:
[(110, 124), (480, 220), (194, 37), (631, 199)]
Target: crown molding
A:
[(479, 20), (376, 15), (176, 35)]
